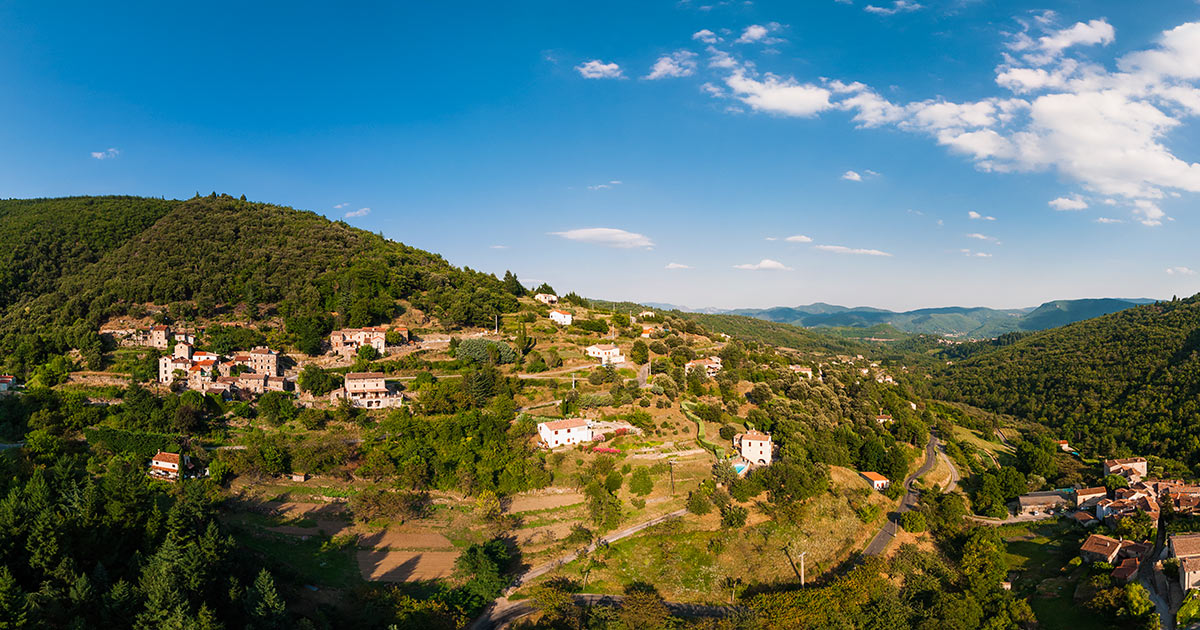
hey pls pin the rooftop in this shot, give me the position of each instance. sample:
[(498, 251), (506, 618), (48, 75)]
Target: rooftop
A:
[(569, 423), (1185, 545), (364, 375), (873, 476), (170, 458), (1102, 545)]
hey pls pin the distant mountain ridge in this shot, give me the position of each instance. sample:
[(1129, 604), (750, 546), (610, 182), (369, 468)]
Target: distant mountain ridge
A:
[(951, 321)]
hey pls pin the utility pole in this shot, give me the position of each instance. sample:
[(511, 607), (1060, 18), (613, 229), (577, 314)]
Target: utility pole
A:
[(497, 317), (802, 554)]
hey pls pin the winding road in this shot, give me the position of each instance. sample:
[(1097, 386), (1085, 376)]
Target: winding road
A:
[(880, 542)]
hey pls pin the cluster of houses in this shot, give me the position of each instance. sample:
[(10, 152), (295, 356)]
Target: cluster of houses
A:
[(346, 342), (1125, 555), (158, 336), (253, 372), (367, 390)]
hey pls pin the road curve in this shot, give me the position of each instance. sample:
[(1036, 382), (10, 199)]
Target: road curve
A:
[(881, 540), (503, 612)]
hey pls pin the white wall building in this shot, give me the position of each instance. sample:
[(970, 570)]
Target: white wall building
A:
[(562, 432), (546, 298), (606, 352), (754, 446), (562, 318)]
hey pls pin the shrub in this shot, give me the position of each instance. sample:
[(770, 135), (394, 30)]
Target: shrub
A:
[(734, 516), (483, 351), (913, 522), (698, 503)]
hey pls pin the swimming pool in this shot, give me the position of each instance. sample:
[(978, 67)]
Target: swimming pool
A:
[(741, 467)]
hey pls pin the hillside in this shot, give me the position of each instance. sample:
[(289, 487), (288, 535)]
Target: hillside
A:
[(953, 321), (1123, 383), (70, 263)]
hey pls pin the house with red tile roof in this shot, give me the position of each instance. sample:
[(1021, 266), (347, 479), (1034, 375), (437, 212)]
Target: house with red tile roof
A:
[(755, 447), (877, 481), (565, 432), (168, 466), (562, 318)]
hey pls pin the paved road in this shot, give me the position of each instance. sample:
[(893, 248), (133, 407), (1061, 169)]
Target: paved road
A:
[(504, 612), (953, 483), (881, 540)]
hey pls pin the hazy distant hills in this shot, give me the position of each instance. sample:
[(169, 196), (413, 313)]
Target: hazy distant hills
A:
[(951, 321)]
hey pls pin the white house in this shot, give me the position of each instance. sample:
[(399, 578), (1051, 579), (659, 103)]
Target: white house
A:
[(559, 432), (562, 318), (711, 366), (7, 382), (546, 298), (754, 446), (877, 481), (802, 370), (606, 352), (167, 466)]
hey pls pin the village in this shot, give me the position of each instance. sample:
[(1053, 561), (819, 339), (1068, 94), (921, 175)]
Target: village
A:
[(671, 446)]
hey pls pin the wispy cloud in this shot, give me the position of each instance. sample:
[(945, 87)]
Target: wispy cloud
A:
[(499, 246), (675, 265), (841, 249), (899, 6), (677, 64), (340, 206), (361, 212), (979, 217), (1180, 271), (1109, 220), (798, 238), (974, 254), (608, 237), (765, 264), (982, 237), (596, 69), (106, 154), (610, 184), (852, 176), (1074, 202)]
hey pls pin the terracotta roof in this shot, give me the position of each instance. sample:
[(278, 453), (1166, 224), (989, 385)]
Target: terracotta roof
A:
[(1190, 564), (1126, 569), (160, 327), (559, 312), (1122, 462), (263, 351), (569, 423), (873, 476), (756, 436), (170, 458), (1083, 517), (1186, 545), (603, 346), (1102, 545), (1091, 492), (364, 375)]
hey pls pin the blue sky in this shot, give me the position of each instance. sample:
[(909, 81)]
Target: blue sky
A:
[(594, 146)]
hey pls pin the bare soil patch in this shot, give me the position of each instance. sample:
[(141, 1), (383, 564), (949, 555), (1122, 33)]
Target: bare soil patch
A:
[(530, 503), (405, 566), (405, 538)]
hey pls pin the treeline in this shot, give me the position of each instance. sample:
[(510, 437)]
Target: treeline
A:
[(69, 264), (1123, 384)]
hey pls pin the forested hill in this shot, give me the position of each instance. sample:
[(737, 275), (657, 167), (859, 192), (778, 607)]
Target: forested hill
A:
[(1124, 383), (68, 264)]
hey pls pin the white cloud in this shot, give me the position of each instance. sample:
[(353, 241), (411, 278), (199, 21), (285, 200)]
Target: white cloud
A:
[(1108, 220), (675, 265), (596, 69), (753, 33), (852, 176), (677, 64), (361, 212), (839, 249), (106, 154), (341, 205), (975, 254), (899, 6), (1180, 271), (979, 217), (608, 237), (706, 36), (798, 238), (499, 246), (764, 264), (771, 238), (982, 237), (1068, 203), (779, 96), (1109, 130), (606, 186)]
